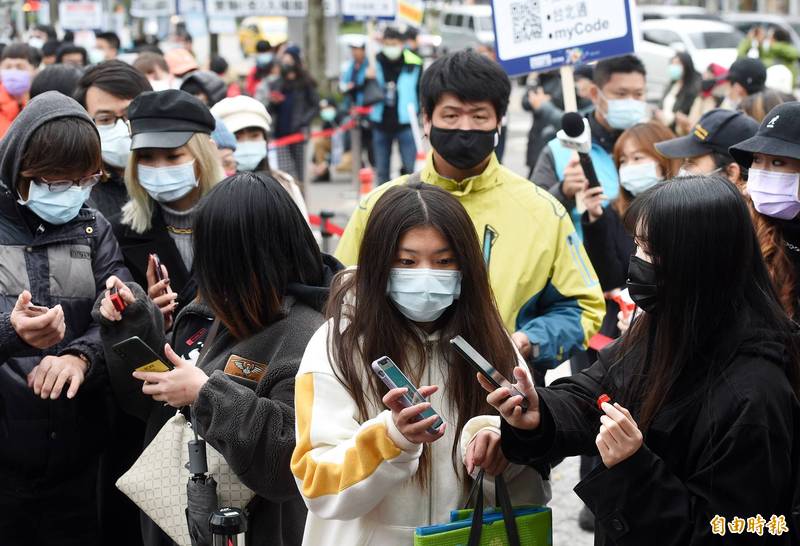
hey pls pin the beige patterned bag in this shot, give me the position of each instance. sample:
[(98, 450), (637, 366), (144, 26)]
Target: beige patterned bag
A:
[(157, 480)]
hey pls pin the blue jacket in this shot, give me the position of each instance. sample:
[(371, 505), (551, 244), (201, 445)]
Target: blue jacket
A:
[(603, 166), (407, 86), (350, 75)]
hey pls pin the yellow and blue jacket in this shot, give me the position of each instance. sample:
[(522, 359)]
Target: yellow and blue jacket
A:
[(542, 278)]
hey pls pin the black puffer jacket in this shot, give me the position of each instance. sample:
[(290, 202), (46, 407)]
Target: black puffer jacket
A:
[(730, 447), (46, 440)]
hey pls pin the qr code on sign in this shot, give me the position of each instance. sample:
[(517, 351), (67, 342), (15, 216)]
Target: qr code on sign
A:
[(527, 18)]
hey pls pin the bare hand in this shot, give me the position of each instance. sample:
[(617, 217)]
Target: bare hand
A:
[(179, 387), (160, 292), (682, 123), (370, 73), (510, 407), (107, 308), (574, 179), (619, 436), (593, 200), (48, 378), (405, 418), (522, 343), (37, 330), (537, 97), (484, 452)]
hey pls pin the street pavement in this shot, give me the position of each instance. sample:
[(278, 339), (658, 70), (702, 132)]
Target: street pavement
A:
[(340, 197)]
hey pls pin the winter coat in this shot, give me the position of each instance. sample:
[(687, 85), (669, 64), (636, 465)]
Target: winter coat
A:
[(45, 441), (251, 423), (110, 195), (729, 450), (137, 247)]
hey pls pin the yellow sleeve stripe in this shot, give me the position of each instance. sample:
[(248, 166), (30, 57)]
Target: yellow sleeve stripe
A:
[(372, 447)]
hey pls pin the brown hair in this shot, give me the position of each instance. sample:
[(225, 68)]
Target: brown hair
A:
[(64, 145), (147, 61), (779, 265), (757, 106), (371, 326), (645, 135)]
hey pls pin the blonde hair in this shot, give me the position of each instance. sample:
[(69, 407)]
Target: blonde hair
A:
[(138, 211)]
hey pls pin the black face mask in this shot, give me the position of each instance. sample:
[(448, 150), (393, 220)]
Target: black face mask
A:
[(463, 149), (707, 85), (642, 284)]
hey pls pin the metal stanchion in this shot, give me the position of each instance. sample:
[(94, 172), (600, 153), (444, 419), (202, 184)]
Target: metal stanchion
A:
[(227, 526), (324, 229)]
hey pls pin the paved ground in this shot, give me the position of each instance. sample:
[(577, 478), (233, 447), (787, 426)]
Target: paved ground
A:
[(340, 197)]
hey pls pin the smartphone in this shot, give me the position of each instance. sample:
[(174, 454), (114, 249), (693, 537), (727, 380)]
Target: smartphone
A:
[(159, 271), (483, 367), (394, 378), (136, 351)]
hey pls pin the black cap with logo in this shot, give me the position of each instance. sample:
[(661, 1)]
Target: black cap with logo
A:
[(716, 131), (167, 119), (749, 73), (777, 135)]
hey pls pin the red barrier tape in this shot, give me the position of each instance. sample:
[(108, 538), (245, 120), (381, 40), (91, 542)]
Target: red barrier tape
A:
[(332, 228), (297, 138)]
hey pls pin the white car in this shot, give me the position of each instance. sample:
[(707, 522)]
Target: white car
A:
[(706, 41), (465, 26)]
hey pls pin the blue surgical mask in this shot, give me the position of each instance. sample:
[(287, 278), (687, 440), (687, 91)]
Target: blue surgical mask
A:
[(55, 207), (168, 184), (249, 154), (263, 59), (423, 295), (675, 72), (639, 178), (625, 113)]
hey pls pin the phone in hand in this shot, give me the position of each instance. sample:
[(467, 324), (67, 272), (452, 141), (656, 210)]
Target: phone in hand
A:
[(482, 366), (36, 310), (394, 378), (138, 353), (157, 264)]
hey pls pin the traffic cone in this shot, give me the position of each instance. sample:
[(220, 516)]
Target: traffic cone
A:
[(367, 177)]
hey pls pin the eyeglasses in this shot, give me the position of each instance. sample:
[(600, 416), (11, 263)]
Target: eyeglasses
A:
[(108, 118), (58, 186)]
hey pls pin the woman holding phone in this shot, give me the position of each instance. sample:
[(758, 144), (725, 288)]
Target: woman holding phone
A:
[(260, 309), (369, 472), (704, 421), (173, 163)]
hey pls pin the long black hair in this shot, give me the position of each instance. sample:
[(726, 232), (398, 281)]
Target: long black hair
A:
[(713, 288), (375, 327), (691, 77), (250, 243)]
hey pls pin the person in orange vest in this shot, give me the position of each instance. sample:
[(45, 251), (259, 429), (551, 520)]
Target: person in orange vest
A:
[(17, 67)]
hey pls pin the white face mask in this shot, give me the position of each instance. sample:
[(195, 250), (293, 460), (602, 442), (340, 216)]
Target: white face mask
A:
[(639, 177), (423, 295), (392, 52), (115, 141), (160, 85), (683, 171), (168, 184), (36, 43)]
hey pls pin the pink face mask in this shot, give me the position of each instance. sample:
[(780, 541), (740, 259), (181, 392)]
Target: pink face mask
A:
[(774, 194)]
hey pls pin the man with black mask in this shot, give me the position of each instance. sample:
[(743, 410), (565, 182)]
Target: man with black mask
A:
[(546, 289)]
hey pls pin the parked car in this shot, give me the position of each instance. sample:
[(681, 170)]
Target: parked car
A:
[(705, 40), (648, 12), (747, 20), (465, 26)]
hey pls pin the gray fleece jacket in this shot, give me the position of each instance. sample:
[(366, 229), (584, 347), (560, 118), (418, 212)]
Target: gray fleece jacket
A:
[(250, 423)]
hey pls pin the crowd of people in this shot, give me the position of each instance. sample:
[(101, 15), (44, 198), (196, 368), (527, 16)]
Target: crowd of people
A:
[(140, 200)]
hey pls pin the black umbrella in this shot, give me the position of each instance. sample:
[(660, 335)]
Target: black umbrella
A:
[(201, 493)]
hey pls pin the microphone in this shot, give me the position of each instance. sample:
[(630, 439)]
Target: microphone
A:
[(576, 135)]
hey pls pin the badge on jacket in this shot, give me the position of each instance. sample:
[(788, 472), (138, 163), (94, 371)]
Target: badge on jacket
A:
[(245, 368)]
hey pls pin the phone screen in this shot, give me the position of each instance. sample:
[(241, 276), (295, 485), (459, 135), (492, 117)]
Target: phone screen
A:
[(394, 378)]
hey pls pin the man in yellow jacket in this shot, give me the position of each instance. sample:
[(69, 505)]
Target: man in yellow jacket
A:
[(546, 289)]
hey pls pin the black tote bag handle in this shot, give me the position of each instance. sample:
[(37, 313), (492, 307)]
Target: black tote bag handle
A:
[(503, 499)]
